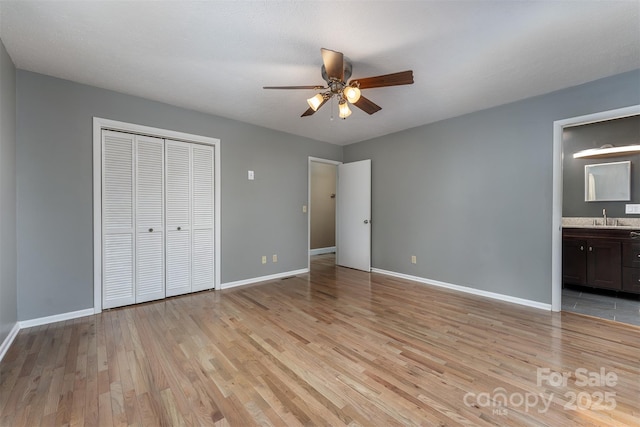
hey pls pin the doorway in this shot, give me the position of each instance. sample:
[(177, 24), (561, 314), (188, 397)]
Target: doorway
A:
[(323, 181), (345, 196), (561, 299)]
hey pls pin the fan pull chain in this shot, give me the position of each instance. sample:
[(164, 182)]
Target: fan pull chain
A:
[(332, 106)]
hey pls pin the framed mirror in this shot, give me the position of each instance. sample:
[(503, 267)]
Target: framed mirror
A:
[(607, 182)]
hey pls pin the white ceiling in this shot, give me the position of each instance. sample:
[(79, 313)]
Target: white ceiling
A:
[(215, 56)]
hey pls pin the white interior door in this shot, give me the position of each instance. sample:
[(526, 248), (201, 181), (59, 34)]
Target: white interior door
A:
[(354, 215), (118, 219), (149, 173), (178, 221), (202, 241)]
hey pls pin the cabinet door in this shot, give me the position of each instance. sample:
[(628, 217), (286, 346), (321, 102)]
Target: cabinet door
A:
[(631, 270), (149, 218), (178, 217), (631, 280), (202, 218), (118, 219), (631, 254), (604, 263), (574, 261)]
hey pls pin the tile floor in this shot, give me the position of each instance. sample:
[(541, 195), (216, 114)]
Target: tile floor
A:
[(607, 305)]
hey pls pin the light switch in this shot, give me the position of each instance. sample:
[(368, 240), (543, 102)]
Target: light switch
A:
[(632, 208), (304, 208), (250, 175)]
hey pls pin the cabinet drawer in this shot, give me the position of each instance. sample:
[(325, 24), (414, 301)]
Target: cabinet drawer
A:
[(631, 255), (631, 280)]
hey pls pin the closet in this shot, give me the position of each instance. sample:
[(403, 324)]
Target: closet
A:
[(157, 218)]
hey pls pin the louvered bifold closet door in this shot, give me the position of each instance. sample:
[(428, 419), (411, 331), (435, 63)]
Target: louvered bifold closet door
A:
[(118, 219), (202, 265), (149, 284), (178, 217)]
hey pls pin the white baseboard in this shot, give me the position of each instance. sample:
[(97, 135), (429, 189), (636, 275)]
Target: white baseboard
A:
[(493, 295), (320, 251), (56, 318), (263, 278), (9, 340)]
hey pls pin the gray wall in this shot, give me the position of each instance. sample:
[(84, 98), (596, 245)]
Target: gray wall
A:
[(54, 189), (323, 207), (8, 284), (471, 196), (623, 131)]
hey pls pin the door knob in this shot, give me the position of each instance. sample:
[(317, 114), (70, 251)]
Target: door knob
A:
[(582, 248), (151, 230), (590, 249), (179, 228), (366, 221)]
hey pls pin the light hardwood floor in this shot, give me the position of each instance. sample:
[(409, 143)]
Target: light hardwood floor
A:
[(334, 347)]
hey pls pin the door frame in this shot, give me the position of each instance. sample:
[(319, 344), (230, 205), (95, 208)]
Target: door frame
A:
[(556, 214), (330, 162), (98, 125)]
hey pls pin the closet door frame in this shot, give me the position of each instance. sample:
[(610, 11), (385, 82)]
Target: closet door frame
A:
[(100, 124)]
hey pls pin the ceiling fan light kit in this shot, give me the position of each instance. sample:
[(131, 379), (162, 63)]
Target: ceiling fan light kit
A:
[(336, 70)]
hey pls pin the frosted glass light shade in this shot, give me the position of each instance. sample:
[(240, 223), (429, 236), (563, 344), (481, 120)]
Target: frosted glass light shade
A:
[(315, 102), (352, 94), (343, 110)]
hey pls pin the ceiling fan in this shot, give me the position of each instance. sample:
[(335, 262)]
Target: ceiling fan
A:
[(336, 70)]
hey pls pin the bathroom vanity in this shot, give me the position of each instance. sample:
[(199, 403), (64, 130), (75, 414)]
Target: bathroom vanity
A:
[(604, 257)]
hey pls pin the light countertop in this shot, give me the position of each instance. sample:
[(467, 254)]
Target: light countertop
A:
[(588, 222)]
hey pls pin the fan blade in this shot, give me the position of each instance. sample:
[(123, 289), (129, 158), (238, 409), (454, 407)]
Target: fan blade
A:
[(333, 63), (395, 79), (310, 110), (294, 87), (367, 105)]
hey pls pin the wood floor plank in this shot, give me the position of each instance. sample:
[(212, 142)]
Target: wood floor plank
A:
[(332, 347), (90, 391)]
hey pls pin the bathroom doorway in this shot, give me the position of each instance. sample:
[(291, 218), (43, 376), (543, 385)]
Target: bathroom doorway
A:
[(573, 211)]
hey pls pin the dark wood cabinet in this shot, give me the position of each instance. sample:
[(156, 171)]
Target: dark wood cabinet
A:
[(604, 260), (601, 258), (631, 280), (631, 267), (574, 261)]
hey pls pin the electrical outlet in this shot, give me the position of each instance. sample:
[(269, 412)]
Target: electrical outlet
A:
[(413, 259), (264, 259), (274, 258), (632, 208), (304, 208)]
